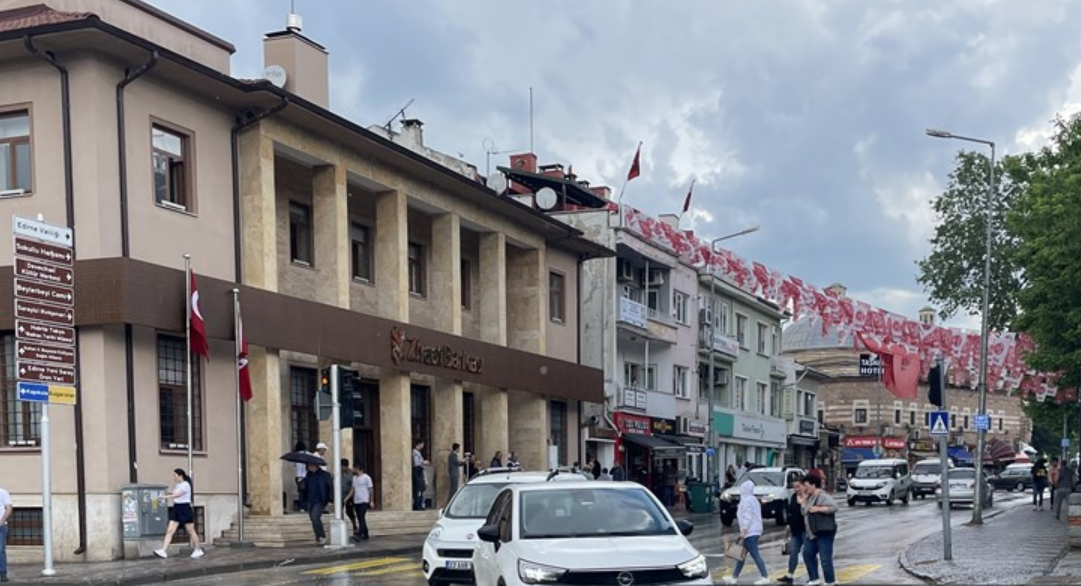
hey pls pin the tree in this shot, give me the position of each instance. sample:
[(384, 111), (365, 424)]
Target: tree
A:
[(953, 274), (1047, 419)]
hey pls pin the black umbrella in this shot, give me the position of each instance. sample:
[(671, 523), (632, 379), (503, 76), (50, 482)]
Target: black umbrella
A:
[(304, 458)]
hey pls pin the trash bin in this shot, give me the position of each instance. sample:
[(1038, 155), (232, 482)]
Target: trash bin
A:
[(701, 497)]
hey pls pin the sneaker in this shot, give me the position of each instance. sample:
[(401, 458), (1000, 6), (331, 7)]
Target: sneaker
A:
[(198, 553), (320, 540), (161, 553), (815, 583), (786, 579), (762, 582), (728, 580)]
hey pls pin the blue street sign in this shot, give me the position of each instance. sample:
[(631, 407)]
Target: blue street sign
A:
[(983, 422), (710, 451), (36, 392), (1065, 442), (939, 422)]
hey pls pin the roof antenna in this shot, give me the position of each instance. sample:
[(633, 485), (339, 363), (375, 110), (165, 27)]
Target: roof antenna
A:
[(293, 23), (399, 113)]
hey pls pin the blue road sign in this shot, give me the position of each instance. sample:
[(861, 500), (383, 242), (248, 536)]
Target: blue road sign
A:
[(1065, 442), (36, 392), (983, 422), (939, 422), (710, 451)]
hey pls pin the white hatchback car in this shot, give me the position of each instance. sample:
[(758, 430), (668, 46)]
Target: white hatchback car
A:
[(448, 550), (584, 533)]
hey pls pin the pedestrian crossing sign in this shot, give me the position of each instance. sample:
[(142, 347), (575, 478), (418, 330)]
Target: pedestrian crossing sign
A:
[(939, 421)]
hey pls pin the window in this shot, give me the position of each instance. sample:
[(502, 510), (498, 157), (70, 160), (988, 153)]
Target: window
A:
[(965, 424), (775, 344), (897, 416), (172, 185), (632, 374), (808, 404), (763, 338), (15, 153), (653, 299), (721, 318), (741, 330), (173, 395), (859, 416), (26, 527), (360, 244), (304, 422), (912, 418), (822, 416), (557, 424), (556, 297), (300, 233), (19, 420), (469, 418), (416, 269), (1000, 422), (762, 398), (680, 376), (420, 404), (739, 394), (681, 301), (467, 282), (776, 401)]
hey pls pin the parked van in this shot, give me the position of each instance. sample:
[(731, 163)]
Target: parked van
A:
[(925, 476), (880, 481)]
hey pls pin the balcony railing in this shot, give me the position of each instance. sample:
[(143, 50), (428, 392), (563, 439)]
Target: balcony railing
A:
[(633, 313), (718, 342), (661, 316)]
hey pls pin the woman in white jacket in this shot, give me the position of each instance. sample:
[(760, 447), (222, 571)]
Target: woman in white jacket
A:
[(749, 516)]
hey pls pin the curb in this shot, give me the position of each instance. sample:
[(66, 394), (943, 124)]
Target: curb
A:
[(908, 566), (188, 573)]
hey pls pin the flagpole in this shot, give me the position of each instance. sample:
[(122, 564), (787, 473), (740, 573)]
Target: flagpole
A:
[(624, 187), (238, 335), (187, 335)]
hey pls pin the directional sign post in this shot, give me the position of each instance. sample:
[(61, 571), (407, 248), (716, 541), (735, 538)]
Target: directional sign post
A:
[(46, 362), (983, 422)]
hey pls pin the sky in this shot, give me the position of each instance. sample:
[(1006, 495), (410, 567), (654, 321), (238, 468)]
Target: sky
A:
[(805, 117)]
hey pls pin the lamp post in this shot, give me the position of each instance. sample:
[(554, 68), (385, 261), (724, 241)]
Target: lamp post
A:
[(977, 505), (714, 463)]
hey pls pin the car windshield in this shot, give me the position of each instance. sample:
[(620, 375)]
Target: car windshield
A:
[(929, 468), (962, 474), (874, 472), (762, 478), (591, 512), (473, 500)]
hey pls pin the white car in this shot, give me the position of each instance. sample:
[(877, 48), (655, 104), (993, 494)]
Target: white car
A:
[(448, 550), (584, 533), (880, 481), (963, 488)]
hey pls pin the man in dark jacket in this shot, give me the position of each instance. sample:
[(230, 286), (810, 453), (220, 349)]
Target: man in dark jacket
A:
[(319, 486), (796, 532)]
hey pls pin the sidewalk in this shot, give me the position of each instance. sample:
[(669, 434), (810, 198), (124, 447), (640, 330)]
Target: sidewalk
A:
[(218, 560), (1017, 546)]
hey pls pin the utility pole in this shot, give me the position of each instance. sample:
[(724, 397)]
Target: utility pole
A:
[(947, 545)]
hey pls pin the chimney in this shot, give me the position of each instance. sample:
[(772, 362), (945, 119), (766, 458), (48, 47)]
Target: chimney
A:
[(553, 170), (837, 290), (671, 220), (306, 63), (602, 191), (412, 133), (524, 162), (927, 316)]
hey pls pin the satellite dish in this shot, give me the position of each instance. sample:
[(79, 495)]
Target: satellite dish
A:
[(545, 198), (497, 182), (275, 74)]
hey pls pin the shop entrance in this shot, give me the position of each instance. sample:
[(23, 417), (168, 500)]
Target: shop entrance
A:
[(365, 405)]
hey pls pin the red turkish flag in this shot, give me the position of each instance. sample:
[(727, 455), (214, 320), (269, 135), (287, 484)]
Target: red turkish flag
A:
[(199, 343), (636, 167), (687, 200), (244, 373)]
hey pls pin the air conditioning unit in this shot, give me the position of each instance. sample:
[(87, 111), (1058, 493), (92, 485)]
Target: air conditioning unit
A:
[(626, 272), (682, 425), (656, 277), (705, 316)]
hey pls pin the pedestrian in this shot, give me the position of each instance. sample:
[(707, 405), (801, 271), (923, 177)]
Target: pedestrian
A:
[(576, 467), (596, 470), (454, 469), (471, 467), (346, 488), (362, 493), (6, 510), (301, 472), (749, 516), (820, 519), (670, 482), (1067, 477), (1052, 475), (418, 475), (730, 476), (618, 474), (320, 487), (497, 460), (181, 514), (512, 461), (796, 532), (1039, 483), (321, 451), (605, 475)]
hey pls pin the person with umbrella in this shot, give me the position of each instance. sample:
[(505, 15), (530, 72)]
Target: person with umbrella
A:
[(318, 489)]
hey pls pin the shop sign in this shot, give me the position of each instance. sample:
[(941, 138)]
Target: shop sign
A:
[(663, 426), (870, 441), (740, 426), (696, 428), (406, 349), (806, 427), (628, 423), (634, 398)]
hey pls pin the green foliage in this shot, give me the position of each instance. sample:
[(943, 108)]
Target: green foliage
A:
[(1047, 418)]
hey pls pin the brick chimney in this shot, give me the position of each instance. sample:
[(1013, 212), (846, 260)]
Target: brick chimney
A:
[(524, 162), (306, 63), (602, 191)]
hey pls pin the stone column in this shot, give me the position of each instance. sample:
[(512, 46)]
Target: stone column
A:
[(529, 434), (447, 273), (391, 260), (267, 434), (493, 289), (446, 431), (330, 216), (258, 211), (527, 297), (394, 489), (493, 424)]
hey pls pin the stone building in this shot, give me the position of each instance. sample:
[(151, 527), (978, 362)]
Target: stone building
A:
[(347, 246)]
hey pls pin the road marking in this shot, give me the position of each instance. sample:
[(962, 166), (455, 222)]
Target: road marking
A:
[(373, 563), (410, 567), (849, 574)]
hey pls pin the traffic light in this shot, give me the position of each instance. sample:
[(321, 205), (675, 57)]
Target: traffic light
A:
[(934, 384), (348, 388), (323, 403)]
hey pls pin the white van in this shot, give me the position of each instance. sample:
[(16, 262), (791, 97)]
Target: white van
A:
[(880, 481), (926, 474)]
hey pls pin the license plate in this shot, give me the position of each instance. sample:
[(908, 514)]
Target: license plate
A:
[(459, 565), (958, 487)]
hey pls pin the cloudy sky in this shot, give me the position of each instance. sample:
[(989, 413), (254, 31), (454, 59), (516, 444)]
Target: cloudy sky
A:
[(805, 117)]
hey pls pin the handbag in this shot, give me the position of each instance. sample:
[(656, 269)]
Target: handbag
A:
[(786, 545), (736, 551), (822, 523)]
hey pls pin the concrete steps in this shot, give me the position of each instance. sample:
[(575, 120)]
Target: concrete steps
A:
[(296, 529)]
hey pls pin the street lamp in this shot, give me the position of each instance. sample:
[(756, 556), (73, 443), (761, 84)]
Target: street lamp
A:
[(977, 504), (711, 436)]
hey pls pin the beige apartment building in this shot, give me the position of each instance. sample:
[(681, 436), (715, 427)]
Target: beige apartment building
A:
[(351, 246)]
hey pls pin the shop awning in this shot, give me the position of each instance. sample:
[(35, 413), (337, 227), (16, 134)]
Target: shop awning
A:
[(656, 444), (856, 455), (961, 454)]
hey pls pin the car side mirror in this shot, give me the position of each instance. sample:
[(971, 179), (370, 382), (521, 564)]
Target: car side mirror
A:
[(489, 533), (685, 527), (439, 513)]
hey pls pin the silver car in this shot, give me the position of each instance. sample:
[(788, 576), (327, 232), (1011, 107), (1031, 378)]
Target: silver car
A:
[(962, 483)]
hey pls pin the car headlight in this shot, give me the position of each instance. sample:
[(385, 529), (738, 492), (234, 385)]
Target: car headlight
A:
[(726, 496), (531, 573), (435, 534), (696, 568), (880, 485), (766, 498)]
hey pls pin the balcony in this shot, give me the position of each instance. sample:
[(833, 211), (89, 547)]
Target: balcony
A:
[(777, 366), (661, 316), (719, 342), (660, 326), (633, 313)]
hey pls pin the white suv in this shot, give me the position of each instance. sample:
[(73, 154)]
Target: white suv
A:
[(584, 533), (448, 550)]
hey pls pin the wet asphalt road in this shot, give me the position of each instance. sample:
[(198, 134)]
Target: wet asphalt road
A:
[(868, 543)]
